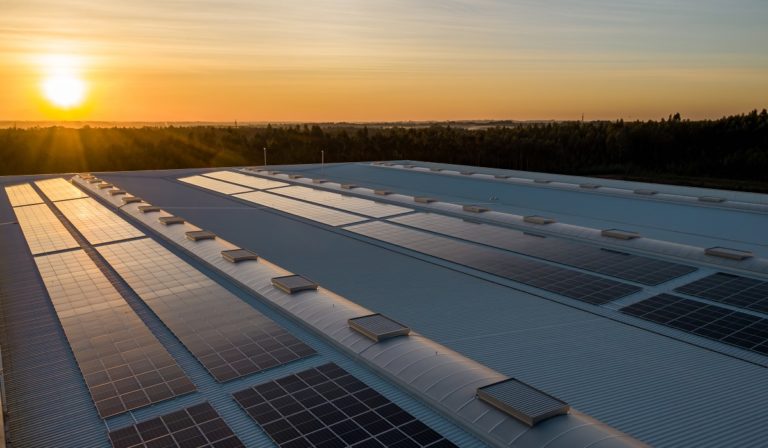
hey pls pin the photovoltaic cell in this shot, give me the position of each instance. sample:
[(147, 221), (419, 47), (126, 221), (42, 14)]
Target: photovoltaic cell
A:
[(59, 189), (22, 194), (309, 211), (710, 321), (214, 185), (735, 290), (576, 285), (328, 407), (43, 230), (197, 426), (124, 365), (625, 266), (257, 183), (348, 203), (229, 338), (95, 222)]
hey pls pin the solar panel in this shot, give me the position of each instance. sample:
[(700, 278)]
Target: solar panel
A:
[(229, 338), (214, 185), (124, 365), (522, 401), (59, 189), (630, 267), (22, 194), (576, 285), (293, 207), (95, 222), (378, 327), (735, 290), (245, 180), (348, 203), (293, 284), (710, 321), (328, 407), (43, 230), (238, 255), (197, 426)]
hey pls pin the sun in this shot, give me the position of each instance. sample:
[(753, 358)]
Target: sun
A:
[(62, 84)]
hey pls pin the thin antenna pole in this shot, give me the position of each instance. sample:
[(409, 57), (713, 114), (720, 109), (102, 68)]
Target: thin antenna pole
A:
[(265, 157), (322, 160)]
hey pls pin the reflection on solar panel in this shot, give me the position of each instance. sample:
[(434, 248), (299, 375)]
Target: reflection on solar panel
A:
[(23, 194), (298, 208), (342, 202), (576, 285), (227, 336), (43, 230), (327, 406), (742, 292), (257, 183), (59, 189), (97, 223), (125, 367), (709, 321), (197, 426), (214, 185), (616, 264)]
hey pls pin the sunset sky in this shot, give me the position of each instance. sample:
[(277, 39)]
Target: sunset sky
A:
[(365, 60)]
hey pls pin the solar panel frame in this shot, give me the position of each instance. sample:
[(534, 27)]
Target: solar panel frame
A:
[(97, 223), (257, 183), (23, 194), (214, 185), (58, 189), (342, 202), (43, 231), (305, 210)]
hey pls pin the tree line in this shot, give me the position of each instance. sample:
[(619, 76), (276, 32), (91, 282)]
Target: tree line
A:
[(731, 152)]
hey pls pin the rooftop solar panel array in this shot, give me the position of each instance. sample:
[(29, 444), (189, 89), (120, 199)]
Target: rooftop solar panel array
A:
[(59, 189), (635, 268), (710, 321), (22, 194), (229, 338), (351, 204), (257, 183), (43, 230), (197, 426), (309, 211), (328, 407), (124, 365), (576, 285), (735, 290), (95, 222), (214, 185)]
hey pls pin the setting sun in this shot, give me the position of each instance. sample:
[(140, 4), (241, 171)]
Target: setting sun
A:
[(62, 84)]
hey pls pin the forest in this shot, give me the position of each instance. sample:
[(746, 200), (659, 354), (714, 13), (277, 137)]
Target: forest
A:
[(730, 152)]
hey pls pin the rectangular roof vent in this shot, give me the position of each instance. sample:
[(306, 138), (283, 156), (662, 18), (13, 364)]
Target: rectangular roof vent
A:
[(94, 180), (589, 186), (348, 186), (535, 219), (149, 208), (104, 186), (117, 192), (542, 181), (522, 401), (620, 234), (170, 220), (435, 169), (293, 283), (467, 173), (382, 192), (295, 176), (501, 176), (714, 199), (238, 255), (645, 192), (130, 199), (475, 208), (423, 199), (378, 327), (319, 181), (273, 172), (731, 254), (409, 166), (199, 235)]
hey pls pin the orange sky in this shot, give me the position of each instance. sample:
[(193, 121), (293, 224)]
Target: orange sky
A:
[(345, 60)]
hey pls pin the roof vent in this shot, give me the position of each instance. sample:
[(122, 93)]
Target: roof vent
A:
[(731, 254), (589, 186), (467, 173), (542, 181), (116, 192), (423, 199), (85, 176), (714, 199), (104, 186), (94, 180), (149, 208), (295, 176), (199, 235), (387, 163), (130, 199), (382, 192), (500, 176), (170, 220), (475, 208), (238, 255), (535, 219), (348, 186), (378, 327), (293, 283), (409, 166), (645, 192), (319, 181), (620, 234), (377, 163), (273, 172), (435, 169), (522, 401)]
